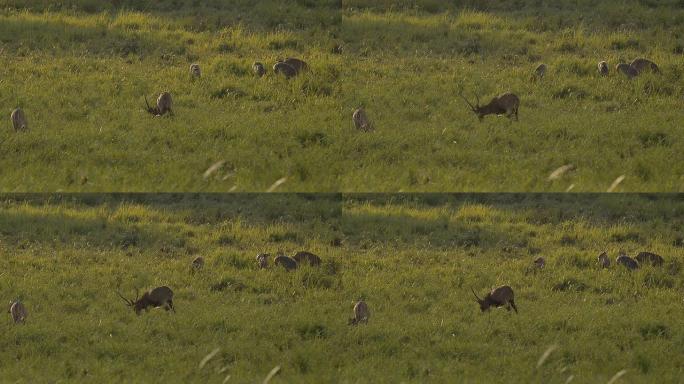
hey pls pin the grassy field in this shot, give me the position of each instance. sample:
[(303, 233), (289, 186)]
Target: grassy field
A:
[(413, 259), (81, 70)]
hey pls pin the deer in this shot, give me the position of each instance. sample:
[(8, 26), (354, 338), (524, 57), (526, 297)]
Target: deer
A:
[(640, 64), (156, 298), (17, 311), (286, 262), (297, 64), (258, 69), (540, 262), (361, 313), (262, 260), (164, 103), (501, 296), (627, 261), (308, 257), (603, 260), (506, 103), (19, 119), (195, 70), (603, 68), (361, 121), (197, 263), (539, 72), (286, 69), (651, 258), (627, 70)]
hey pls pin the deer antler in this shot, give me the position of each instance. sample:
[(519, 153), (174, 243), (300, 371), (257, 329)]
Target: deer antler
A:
[(478, 298), (478, 99), (129, 302), (468, 102)]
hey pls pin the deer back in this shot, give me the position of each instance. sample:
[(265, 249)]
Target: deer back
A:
[(285, 69), (159, 296), (287, 262), (297, 64), (501, 295), (651, 258), (627, 262), (307, 257)]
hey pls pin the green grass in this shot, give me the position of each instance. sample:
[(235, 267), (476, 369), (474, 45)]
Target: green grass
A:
[(80, 69), (412, 258)]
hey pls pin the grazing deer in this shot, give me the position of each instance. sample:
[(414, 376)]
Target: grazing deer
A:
[(504, 104), (297, 64), (627, 70), (157, 297), (287, 262), (258, 69), (603, 260), (627, 261), (19, 119), (164, 103), (540, 71), (195, 70), (308, 257), (285, 69), (640, 64), (198, 263), (361, 313), (17, 311), (603, 68), (540, 262), (361, 121), (501, 296), (262, 260), (651, 258)]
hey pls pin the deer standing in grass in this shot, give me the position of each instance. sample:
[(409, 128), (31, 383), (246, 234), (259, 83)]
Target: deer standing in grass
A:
[(361, 313), (17, 311), (164, 104), (501, 296), (195, 71), (603, 260), (603, 68), (155, 298), (650, 258), (19, 119), (505, 104)]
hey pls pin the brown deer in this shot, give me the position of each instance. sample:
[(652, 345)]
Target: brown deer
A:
[(640, 64), (627, 70), (307, 257), (195, 70), (540, 262), (361, 121), (539, 72), (198, 263), (164, 103), (650, 258), (262, 260), (157, 297), (17, 311), (501, 296), (19, 119), (258, 69), (286, 69), (627, 261), (297, 64), (361, 313), (286, 262), (504, 104), (603, 68), (603, 260)]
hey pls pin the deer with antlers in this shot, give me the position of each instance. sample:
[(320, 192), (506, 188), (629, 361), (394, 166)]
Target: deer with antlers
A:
[(155, 298), (164, 103), (498, 297), (505, 104)]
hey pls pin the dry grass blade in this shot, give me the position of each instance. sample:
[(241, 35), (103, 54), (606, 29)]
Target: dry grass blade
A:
[(208, 357), (570, 188), (569, 379), (617, 376), (560, 171), (271, 374), (616, 183), (277, 184), (214, 167), (226, 379), (545, 355)]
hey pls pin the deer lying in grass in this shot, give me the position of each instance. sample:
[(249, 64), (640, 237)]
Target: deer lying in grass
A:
[(258, 69), (17, 311), (650, 258), (603, 260), (19, 119), (156, 298), (504, 104), (286, 262), (627, 261), (501, 296), (286, 69), (195, 70), (164, 103), (640, 64), (361, 313), (262, 260), (361, 121), (603, 68), (307, 257)]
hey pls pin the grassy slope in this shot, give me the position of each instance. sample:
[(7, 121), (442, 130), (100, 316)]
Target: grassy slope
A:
[(412, 258), (81, 77)]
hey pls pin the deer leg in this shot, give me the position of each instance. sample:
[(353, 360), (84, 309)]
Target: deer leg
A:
[(513, 305), (171, 306)]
